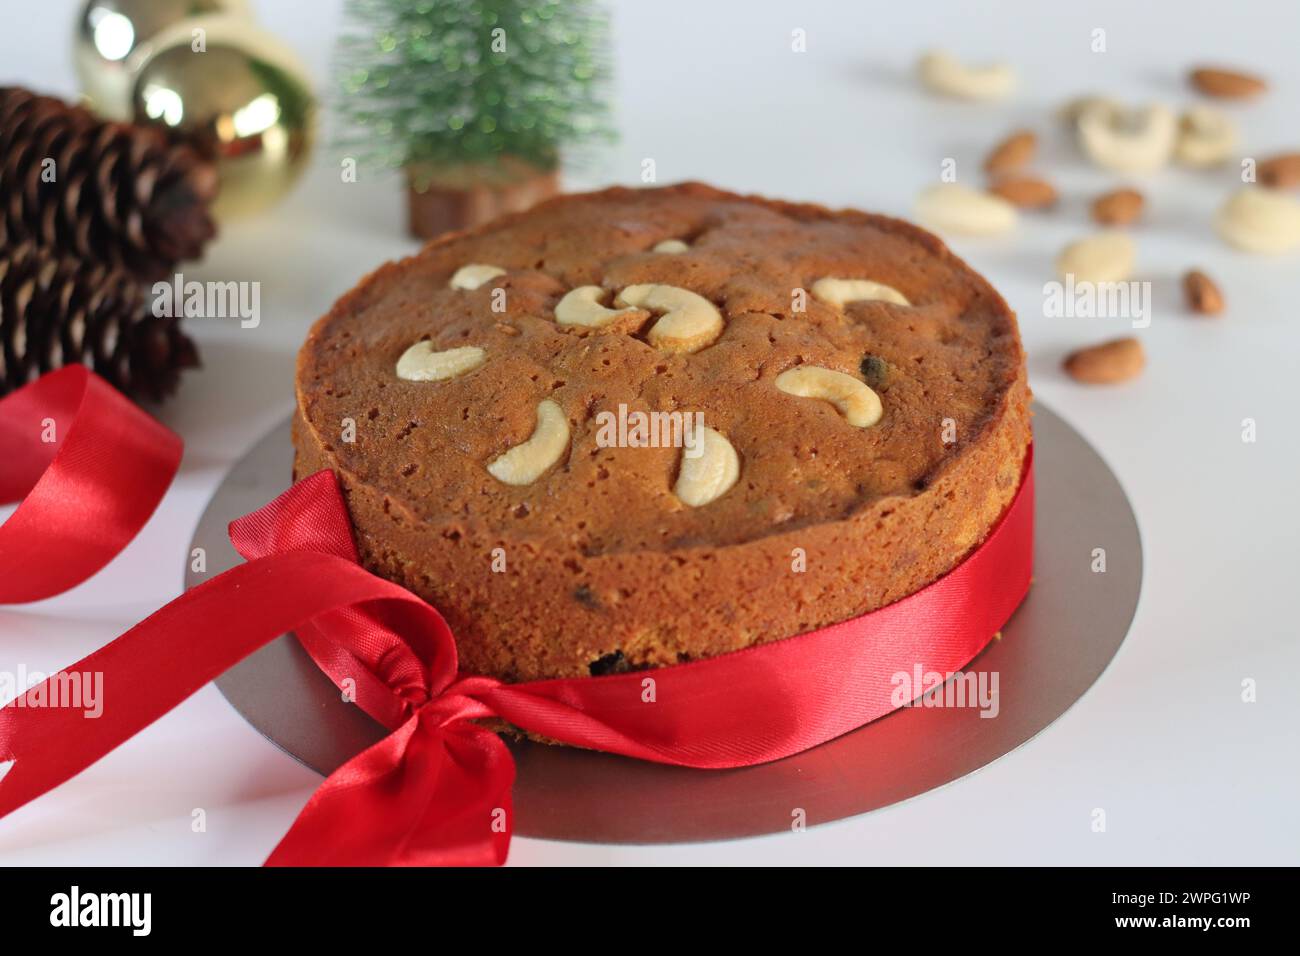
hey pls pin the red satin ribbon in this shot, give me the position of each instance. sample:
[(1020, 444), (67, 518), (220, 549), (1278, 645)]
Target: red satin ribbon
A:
[(436, 790), (89, 468)]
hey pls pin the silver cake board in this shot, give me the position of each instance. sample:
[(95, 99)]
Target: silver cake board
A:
[(1051, 651)]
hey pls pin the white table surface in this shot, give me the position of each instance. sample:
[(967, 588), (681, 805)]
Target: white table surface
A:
[(1186, 772)]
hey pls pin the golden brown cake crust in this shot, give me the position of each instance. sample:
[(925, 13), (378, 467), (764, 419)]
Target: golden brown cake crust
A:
[(605, 568)]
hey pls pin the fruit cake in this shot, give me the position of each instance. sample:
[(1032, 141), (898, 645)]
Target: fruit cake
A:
[(637, 427)]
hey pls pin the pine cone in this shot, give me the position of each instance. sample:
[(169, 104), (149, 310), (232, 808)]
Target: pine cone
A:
[(123, 195), (56, 311)]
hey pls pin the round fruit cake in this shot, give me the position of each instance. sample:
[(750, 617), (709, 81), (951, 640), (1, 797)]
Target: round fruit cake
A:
[(634, 428)]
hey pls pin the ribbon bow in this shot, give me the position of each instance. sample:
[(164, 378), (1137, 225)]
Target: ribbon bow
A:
[(436, 790)]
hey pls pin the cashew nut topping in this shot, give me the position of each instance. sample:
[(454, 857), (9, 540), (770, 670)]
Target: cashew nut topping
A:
[(950, 207), (420, 363), (838, 292), (1260, 220), (671, 245), (1127, 142), (525, 463), (709, 475), (855, 400), (1105, 257), (1206, 137), (474, 275), (690, 321), (943, 73), (581, 306)]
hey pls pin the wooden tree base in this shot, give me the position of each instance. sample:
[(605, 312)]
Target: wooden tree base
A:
[(444, 207)]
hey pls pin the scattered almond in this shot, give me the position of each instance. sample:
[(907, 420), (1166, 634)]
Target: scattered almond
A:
[(1118, 208), (1280, 172), (1115, 361), (1027, 192), (1203, 295), (1230, 84), (1013, 152)]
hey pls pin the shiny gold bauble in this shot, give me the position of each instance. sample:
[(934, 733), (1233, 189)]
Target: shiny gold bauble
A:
[(244, 99), (113, 39)]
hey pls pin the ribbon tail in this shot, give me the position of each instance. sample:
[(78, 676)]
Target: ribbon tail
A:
[(90, 468), (428, 794), (55, 731)]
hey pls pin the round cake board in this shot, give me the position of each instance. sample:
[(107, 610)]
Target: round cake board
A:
[(1051, 651)]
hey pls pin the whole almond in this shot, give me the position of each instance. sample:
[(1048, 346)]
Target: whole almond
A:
[(1027, 192), (1280, 172), (1118, 208), (1013, 152), (1229, 84), (1115, 361), (1202, 294)]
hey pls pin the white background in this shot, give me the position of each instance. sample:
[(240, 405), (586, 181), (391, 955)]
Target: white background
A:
[(1185, 771)]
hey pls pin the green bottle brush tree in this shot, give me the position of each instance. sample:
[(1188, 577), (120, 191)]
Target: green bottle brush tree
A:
[(477, 100)]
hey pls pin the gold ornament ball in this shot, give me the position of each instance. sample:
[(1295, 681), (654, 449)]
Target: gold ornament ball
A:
[(113, 39), (241, 97)]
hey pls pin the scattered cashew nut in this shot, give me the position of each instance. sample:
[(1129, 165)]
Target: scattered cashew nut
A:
[(420, 363), (1206, 137), (689, 323), (671, 246), (474, 275), (525, 463), (1260, 220), (1076, 107), (581, 306), (950, 207), (943, 73), (1105, 257), (709, 475), (1127, 141), (855, 400), (838, 292)]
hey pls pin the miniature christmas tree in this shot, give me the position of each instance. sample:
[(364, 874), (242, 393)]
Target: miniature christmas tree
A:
[(475, 99)]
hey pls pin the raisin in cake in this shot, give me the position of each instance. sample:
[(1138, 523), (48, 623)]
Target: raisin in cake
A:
[(861, 391)]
